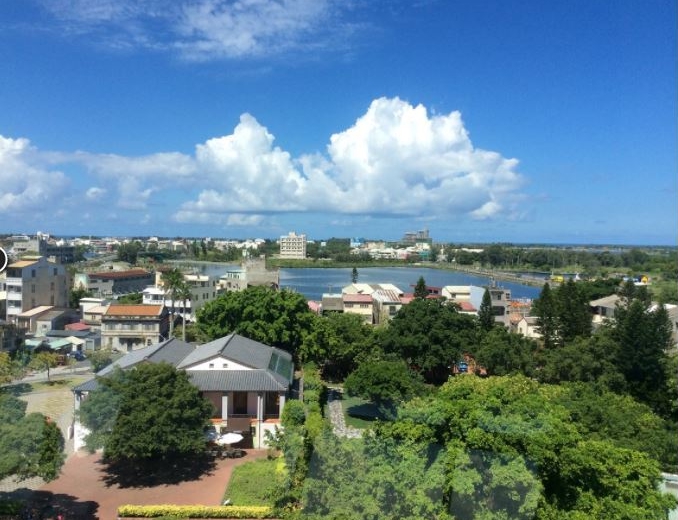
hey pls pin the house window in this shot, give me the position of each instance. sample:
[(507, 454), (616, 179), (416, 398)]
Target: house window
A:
[(224, 365), (55, 271), (211, 365), (32, 273)]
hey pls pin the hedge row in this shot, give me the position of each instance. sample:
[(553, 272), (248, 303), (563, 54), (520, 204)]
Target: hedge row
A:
[(196, 511)]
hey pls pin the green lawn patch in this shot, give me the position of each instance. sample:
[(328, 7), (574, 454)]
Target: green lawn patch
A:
[(359, 413), (256, 483)]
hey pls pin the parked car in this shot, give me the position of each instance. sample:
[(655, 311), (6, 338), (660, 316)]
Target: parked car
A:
[(77, 355)]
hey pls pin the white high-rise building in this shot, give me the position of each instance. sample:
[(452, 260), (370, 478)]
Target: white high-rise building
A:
[(293, 246)]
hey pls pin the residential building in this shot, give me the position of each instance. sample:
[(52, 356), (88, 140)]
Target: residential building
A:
[(44, 318), (246, 381), (203, 288), (471, 297), (293, 246), (252, 273), (360, 304), (33, 282), (108, 284), (130, 327)]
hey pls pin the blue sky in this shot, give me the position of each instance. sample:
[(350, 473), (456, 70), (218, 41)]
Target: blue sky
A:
[(483, 121)]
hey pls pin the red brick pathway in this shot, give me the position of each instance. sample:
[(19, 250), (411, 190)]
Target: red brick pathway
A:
[(82, 493)]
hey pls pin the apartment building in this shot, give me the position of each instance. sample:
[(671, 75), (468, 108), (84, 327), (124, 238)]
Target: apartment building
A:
[(110, 283), (203, 288), (293, 246), (32, 282), (130, 327)]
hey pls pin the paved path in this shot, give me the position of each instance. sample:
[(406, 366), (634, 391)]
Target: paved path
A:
[(336, 411)]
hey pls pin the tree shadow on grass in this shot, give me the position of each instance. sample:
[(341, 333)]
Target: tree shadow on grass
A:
[(47, 505), (17, 389), (126, 473), (366, 412)]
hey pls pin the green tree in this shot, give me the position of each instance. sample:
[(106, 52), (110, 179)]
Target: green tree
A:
[(354, 275), (644, 337), (501, 353), (546, 311), (44, 361), (430, 336), (485, 315), (591, 359), (76, 295), (516, 418), (338, 343), (356, 479), (420, 290), (385, 383), (30, 445), (173, 283), (277, 318), (131, 298), (8, 368), (100, 410), (129, 251), (100, 359), (160, 416), (574, 316)]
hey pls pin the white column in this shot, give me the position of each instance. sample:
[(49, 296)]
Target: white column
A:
[(281, 404), (224, 407)]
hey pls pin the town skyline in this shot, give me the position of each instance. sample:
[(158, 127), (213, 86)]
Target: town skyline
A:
[(528, 124)]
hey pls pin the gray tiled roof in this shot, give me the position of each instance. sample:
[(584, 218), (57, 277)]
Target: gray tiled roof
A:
[(237, 348), (237, 381), (271, 368), (171, 351), (87, 386)]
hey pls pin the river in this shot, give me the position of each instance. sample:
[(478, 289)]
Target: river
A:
[(313, 282)]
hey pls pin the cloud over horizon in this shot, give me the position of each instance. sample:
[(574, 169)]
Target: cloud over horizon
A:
[(396, 160)]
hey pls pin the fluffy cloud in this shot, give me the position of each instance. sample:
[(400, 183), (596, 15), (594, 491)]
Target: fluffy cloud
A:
[(396, 160), (27, 185)]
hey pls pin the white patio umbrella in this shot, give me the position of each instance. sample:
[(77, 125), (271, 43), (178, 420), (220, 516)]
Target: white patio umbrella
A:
[(229, 438)]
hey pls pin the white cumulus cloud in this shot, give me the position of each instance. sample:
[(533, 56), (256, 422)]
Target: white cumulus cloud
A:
[(27, 184), (395, 160)]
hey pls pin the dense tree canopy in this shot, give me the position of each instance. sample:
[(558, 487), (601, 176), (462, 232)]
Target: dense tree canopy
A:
[(430, 336), (512, 425), (30, 445), (338, 343), (277, 318), (385, 383), (149, 413)]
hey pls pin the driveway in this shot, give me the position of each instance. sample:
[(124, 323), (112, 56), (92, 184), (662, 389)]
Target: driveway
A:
[(82, 492)]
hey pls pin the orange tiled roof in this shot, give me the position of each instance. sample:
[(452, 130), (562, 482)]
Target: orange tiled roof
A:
[(133, 310)]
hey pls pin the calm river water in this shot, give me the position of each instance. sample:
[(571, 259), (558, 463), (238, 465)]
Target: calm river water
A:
[(313, 282)]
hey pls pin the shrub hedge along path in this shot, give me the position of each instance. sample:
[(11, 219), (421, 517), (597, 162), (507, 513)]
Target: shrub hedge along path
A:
[(82, 492)]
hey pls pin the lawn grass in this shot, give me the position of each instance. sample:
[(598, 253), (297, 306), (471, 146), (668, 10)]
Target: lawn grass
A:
[(359, 413), (255, 483)]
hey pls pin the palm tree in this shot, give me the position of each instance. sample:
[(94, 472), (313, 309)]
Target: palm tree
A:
[(172, 281), (184, 295)]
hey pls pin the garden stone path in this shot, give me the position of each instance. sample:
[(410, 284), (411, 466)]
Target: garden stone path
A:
[(336, 411)]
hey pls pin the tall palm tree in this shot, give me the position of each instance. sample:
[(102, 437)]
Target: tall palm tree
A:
[(172, 281), (184, 295)]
